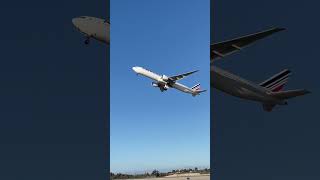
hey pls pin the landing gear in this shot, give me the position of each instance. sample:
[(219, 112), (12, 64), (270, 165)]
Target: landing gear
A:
[(162, 88), (87, 41)]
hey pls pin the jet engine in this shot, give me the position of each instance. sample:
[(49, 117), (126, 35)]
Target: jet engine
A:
[(154, 84)]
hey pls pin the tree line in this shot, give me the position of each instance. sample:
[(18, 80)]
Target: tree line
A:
[(155, 173)]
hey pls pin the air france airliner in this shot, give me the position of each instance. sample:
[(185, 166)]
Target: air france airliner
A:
[(164, 82), (269, 92)]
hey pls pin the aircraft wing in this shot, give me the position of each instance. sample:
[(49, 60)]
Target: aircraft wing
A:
[(225, 48), (181, 76)]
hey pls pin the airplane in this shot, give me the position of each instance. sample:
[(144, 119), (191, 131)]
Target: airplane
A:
[(269, 92), (93, 27), (164, 82)]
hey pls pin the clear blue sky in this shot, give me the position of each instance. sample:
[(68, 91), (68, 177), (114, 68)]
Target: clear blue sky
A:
[(150, 129)]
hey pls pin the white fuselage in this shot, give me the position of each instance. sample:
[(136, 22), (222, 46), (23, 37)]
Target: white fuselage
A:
[(239, 87), (93, 27), (161, 80)]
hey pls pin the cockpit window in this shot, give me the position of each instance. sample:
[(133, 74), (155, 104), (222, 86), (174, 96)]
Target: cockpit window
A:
[(83, 17)]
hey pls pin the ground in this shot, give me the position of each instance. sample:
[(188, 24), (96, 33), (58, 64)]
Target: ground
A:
[(201, 177)]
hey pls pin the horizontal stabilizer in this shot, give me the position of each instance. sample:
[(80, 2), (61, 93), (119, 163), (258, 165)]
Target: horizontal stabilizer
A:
[(201, 91), (283, 95), (290, 93), (198, 92)]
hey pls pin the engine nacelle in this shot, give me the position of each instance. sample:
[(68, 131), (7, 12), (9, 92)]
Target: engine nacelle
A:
[(154, 84)]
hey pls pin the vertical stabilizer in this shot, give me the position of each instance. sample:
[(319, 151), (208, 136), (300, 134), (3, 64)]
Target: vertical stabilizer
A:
[(276, 83)]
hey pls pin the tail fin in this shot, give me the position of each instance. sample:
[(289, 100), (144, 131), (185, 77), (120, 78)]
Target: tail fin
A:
[(277, 82), (196, 88)]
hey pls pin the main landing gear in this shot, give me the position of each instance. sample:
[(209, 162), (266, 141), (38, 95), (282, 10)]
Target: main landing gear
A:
[(87, 41)]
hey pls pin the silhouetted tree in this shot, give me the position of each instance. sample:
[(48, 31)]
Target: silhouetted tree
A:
[(155, 173)]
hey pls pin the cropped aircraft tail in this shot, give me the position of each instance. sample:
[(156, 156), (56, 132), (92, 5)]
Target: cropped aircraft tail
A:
[(197, 90), (276, 84)]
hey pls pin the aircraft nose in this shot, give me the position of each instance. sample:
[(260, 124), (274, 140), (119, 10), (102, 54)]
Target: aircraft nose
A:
[(75, 22), (135, 69)]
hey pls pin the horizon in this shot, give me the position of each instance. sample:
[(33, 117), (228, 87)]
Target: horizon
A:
[(165, 170)]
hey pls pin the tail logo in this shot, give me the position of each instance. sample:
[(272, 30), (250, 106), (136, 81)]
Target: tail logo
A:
[(196, 87), (277, 82)]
